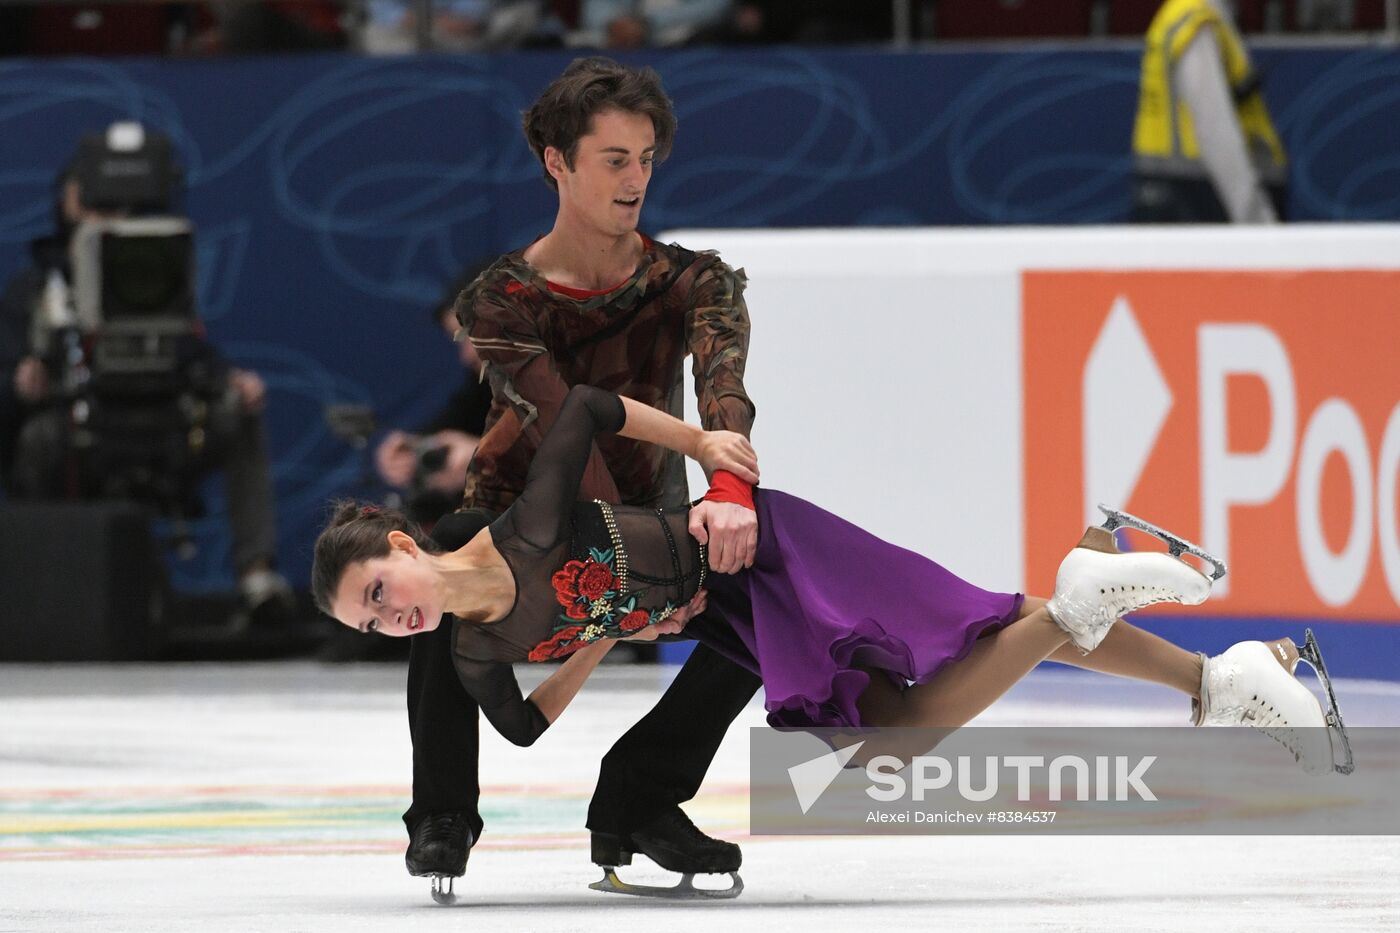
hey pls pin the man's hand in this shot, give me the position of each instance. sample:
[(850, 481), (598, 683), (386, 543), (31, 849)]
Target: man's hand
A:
[(675, 624), (396, 458), (726, 450), (31, 380), (730, 530), (252, 391)]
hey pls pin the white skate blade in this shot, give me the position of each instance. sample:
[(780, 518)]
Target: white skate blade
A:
[(1176, 545), (1336, 730), (683, 890), (442, 892)]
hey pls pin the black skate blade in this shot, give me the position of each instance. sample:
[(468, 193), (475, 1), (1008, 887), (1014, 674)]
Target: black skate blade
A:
[(1336, 729), (442, 893), (683, 890), (1176, 545)]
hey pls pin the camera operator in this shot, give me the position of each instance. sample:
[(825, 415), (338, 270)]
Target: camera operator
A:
[(430, 465), (57, 386)]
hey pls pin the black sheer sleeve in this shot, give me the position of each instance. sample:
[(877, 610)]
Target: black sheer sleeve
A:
[(493, 685), (540, 516)]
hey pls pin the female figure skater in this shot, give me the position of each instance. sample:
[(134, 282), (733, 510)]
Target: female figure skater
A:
[(845, 630)]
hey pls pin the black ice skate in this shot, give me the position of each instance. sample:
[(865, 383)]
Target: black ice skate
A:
[(673, 842), (439, 848)]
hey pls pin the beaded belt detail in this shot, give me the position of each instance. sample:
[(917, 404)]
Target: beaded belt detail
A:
[(620, 552), (615, 536)]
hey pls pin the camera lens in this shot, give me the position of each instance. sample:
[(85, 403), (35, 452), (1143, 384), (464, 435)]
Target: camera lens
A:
[(146, 276), (432, 459)]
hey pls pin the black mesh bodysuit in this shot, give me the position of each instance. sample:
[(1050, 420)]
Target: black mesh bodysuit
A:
[(583, 570)]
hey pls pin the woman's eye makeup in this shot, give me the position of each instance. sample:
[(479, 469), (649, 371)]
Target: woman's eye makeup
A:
[(377, 594)]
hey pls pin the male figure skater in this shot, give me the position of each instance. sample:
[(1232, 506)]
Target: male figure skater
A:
[(596, 302)]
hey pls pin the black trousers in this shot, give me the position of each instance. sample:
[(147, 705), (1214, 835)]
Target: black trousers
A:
[(1166, 199), (656, 765)]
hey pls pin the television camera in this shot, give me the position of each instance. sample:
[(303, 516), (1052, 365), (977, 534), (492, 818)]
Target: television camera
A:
[(138, 380)]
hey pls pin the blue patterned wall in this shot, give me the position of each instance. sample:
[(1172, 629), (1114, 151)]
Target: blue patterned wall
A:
[(335, 196)]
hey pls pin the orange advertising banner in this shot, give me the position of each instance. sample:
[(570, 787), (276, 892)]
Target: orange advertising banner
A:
[(1255, 413)]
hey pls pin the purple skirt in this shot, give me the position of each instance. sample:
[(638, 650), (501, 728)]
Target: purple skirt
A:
[(825, 598)]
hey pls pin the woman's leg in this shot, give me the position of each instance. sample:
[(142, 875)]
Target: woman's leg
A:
[(999, 660), (962, 690), (1129, 651)]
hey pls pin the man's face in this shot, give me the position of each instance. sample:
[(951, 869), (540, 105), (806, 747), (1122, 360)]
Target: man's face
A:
[(612, 168)]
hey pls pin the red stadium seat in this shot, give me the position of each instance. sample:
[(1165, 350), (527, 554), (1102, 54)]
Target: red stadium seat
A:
[(1370, 15), (1011, 19), (99, 29), (1131, 17)]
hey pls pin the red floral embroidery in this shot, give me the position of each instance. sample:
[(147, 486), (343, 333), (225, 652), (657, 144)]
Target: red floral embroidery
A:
[(549, 649), (566, 582), (594, 580), (637, 618)]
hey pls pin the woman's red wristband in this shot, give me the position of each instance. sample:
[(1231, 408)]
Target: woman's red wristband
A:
[(726, 487)]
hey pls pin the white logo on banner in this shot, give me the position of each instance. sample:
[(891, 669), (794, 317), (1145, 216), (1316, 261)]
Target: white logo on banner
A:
[(1126, 401)]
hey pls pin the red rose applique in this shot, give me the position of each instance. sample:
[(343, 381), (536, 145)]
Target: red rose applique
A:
[(637, 618), (550, 649), (566, 583), (594, 580)]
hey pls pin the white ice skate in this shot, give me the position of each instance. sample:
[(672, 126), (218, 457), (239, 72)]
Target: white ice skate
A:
[(1253, 684), (1097, 584)]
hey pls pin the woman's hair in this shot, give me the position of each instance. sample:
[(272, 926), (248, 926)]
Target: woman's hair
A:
[(355, 532), (564, 111)]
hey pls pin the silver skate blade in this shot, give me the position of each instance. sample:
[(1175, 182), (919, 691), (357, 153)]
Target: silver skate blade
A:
[(1311, 653), (442, 893), (1176, 545), (683, 890)]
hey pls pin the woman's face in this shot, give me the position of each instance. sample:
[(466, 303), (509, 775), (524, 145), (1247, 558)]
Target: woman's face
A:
[(395, 595)]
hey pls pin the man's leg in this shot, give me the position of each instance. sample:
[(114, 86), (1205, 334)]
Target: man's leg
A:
[(443, 820), (39, 470), (660, 762), (252, 514), (240, 444)]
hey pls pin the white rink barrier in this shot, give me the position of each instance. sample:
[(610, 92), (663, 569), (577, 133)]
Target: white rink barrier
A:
[(971, 394)]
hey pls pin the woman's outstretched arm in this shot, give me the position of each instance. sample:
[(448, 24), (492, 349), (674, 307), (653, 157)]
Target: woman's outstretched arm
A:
[(560, 687), (493, 685)]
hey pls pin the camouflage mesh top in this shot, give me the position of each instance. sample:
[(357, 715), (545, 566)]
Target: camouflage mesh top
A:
[(535, 343)]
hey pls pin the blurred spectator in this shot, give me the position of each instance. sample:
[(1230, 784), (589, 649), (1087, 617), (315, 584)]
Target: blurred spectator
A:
[(430, 464), (744, 23), (1205, 149), (392, 27), (630, 24), (1324, 15), (39, 400)]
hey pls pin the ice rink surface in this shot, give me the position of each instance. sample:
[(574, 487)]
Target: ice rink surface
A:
[(247, 797)]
